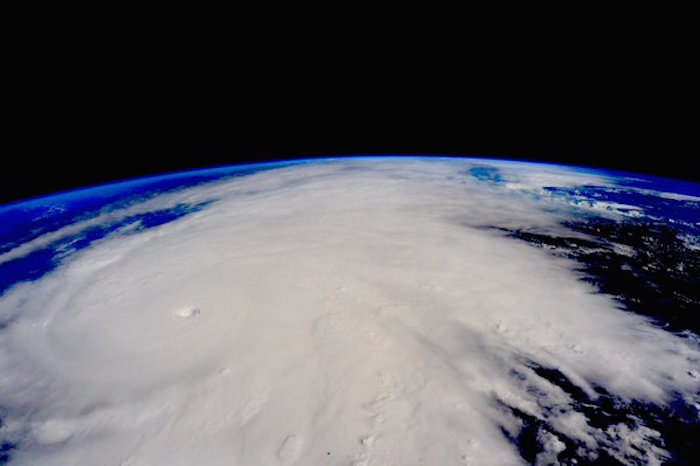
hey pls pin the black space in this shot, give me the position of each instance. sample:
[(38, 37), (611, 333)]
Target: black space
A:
[(90, 121), (90, 152)]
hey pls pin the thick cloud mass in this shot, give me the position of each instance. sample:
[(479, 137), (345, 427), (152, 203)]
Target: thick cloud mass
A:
[(347, 312)]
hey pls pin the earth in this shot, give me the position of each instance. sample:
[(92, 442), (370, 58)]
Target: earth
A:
[(354, 311)]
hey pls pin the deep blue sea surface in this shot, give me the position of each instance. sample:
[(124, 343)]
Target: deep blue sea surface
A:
[(27, 220)]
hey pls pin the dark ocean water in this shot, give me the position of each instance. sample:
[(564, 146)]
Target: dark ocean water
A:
[(649, 261)]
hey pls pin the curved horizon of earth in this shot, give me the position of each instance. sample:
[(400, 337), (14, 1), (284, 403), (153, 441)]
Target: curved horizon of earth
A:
[(360, 310)]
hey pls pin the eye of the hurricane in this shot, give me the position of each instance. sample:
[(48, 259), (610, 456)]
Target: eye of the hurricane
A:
[(187, 312)]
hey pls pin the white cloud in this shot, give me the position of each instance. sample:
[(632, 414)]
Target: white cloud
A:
[(325, 304)]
